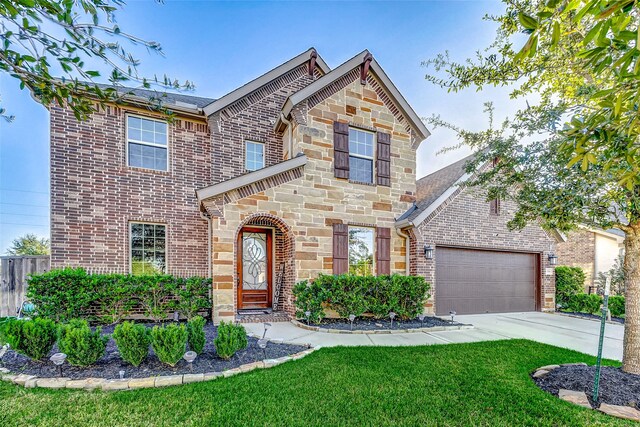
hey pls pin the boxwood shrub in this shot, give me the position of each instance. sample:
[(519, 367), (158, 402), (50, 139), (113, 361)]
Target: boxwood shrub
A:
[(82, 346), (195, 334), (33, 338), (71, 293), (231, 338), (349, 294), (133, 342), (169, 342), (584, 303)]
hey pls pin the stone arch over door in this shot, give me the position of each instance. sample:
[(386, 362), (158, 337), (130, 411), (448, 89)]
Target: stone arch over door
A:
[(283, 258)]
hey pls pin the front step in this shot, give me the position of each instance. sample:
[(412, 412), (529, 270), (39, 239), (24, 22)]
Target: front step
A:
[(261, 316)]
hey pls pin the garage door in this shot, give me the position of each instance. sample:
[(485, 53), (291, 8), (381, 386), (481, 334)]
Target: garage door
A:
[(470, 281)]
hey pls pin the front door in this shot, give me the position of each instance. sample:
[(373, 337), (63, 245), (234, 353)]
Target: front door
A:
[(254, 268)]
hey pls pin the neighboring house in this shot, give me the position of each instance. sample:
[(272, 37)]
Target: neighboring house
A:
[(593, 250), (304, 170), (477, 265)]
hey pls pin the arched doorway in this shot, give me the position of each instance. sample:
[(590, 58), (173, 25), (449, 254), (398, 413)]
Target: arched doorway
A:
[(264, 264)]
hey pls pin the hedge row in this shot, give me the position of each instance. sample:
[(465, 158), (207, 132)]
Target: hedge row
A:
[(71, 293), (356, 295), (591, 303)]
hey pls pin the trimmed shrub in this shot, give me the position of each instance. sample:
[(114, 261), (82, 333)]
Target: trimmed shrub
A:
[(230, 339), (195, 333), (569, 282), (583, 303), (616, 305), (62, 295), (133, 342), (33, 338), (349, 294), (82, 346), (169, 343)]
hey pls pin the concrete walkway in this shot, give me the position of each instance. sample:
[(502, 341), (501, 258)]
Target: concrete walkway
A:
[(554, 329)]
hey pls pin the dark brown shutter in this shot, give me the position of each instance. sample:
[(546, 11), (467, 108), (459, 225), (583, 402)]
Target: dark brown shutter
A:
[(340, 248), (494, 206), (383, 163), (341, 150), (383, 250)]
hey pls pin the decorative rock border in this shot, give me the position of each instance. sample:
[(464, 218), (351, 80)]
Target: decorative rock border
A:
[(580, 397), (380, 331), (32, 381)]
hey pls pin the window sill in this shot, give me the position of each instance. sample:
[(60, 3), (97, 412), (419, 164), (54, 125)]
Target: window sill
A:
[(370, 184), (145, 170)]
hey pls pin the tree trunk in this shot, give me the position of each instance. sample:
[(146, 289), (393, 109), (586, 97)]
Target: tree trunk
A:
[(631, 354)]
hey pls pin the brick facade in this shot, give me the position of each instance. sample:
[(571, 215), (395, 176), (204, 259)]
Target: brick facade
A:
[(94, 194), (579, 251), (464, 220)]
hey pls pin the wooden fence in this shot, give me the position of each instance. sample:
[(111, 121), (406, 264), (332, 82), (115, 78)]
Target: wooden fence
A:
[(14, 271)]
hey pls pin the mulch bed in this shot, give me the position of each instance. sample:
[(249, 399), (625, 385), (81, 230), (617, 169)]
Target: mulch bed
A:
[(111, 364), (616, 387), (369, 324), (593, 316)]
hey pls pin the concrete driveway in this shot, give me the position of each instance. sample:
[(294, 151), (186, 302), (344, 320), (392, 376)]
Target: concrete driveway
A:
[(554, 329)]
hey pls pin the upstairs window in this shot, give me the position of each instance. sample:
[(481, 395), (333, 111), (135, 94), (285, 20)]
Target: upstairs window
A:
[(148, 248), (361, 249), (146, 143), (360, 156), (254, 155)]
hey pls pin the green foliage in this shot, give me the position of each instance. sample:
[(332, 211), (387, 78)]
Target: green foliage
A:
[(29, 244), (133, 342), (169, 343), (348, 294), (584, 303), (82, 346), (4, 321), (193, 296), (32, 338), (89, 34), (66, 294), (231, 338), (617, 276), (616, 306), (569, 282), (195, 332)]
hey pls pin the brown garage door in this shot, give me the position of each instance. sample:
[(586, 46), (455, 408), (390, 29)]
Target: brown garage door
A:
[(470, 281)]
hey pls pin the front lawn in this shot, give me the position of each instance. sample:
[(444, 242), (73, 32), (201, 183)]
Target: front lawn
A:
[(467, 384)]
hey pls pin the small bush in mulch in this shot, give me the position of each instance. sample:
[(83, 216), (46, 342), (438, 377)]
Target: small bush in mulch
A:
[(230, 339), (169, 342), (112, 362), (82, 345), (371, 324), (133, 342), (32, 338), (195, 334), (616, 387)]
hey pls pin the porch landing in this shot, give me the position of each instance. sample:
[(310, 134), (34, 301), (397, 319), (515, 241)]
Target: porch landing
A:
[(262, 316)]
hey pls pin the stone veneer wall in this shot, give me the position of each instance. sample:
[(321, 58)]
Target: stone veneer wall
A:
[(464, 220), (579, 251), (94, 194), (308, 206)]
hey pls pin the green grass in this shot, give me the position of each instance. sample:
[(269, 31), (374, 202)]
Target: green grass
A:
[(458, 385)]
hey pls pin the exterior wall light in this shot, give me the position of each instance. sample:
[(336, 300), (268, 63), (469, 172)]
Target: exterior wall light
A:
[(553, 259), (428, 252)]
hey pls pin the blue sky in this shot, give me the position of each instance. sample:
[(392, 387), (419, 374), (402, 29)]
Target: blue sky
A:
[(222, 45)]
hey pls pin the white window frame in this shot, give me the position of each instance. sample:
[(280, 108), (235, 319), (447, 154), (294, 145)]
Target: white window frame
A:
[(246, 151), (373, 247), (166, 243), (362, 156), (151, 144)]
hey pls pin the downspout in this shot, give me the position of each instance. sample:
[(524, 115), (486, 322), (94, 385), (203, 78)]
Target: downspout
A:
[(289, 132), (407, 251)]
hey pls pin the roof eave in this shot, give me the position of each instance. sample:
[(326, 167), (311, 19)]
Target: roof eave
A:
[(264, 79)]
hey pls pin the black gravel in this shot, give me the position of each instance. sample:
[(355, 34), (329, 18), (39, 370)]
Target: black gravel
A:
[(593, 316), (110, 365), (616, 387), (369, 324)]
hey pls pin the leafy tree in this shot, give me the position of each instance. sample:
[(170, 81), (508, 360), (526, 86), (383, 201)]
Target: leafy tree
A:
[(46, 44), (572, 158), (29, 244)]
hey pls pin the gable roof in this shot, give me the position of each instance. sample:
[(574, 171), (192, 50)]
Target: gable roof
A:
[(167, 98), (434, 189), (347, 67), (264, 79)]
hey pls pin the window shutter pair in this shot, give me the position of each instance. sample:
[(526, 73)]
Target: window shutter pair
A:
[(341, 249), (341, 154)]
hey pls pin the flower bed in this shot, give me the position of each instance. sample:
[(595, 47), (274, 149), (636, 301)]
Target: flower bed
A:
[(383, 326)]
